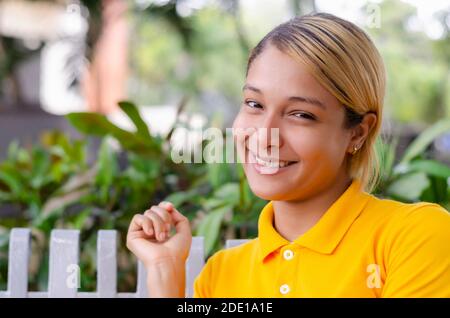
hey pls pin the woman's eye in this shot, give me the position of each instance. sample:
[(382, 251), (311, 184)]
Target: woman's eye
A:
[(252, 104), (304, 116)]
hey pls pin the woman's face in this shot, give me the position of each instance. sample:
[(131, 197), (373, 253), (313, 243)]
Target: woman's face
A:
[(312, 141)]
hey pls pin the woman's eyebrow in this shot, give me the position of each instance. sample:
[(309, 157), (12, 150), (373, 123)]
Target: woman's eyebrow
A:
[(252, 88), (309, 100)]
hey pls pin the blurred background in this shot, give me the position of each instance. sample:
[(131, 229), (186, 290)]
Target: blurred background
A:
[(95, 94)]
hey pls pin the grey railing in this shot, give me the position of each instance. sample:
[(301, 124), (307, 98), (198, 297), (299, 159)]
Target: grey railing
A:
[(64, 273)]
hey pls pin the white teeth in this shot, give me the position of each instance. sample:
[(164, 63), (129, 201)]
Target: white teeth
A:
[(272, 164)]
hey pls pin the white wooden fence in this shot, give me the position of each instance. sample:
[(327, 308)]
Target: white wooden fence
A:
[(63, 266)]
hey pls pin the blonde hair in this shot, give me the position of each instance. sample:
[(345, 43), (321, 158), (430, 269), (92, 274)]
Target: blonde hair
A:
[(346, 62)]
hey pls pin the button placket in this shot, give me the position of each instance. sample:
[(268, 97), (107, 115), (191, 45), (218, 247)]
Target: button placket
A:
[(287, 271)]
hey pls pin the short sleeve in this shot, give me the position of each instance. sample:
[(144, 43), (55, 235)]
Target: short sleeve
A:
[(418, 254)]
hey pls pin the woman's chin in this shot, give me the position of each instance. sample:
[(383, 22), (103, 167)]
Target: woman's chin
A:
[(269, 187), (267, 192)]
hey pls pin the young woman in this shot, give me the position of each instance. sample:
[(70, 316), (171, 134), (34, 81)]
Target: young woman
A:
[(320, 81)]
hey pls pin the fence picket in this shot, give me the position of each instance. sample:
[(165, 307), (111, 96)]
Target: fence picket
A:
[(107, 264), (64, 271), (63, 277), (19, 252)]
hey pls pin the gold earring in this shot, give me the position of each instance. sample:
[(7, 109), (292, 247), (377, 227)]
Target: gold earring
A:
[(355, 149)]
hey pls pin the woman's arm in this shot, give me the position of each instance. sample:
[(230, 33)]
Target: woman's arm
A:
[(166, 278), (164, 256)]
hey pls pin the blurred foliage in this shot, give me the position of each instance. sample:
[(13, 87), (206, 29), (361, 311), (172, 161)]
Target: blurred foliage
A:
[(192, 56), (415, 176), (418, 66), (201, 51), (52, 186), (173, 55)]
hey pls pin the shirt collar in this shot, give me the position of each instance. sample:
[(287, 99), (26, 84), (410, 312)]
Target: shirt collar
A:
[(326, 234)]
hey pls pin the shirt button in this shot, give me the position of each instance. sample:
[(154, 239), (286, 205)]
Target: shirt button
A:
[(284, 289), (288, 255)]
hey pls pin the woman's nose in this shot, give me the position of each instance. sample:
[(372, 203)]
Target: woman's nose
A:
[(266, 138)]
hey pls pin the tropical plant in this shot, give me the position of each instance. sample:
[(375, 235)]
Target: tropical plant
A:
[(415, 177), (52, 185)]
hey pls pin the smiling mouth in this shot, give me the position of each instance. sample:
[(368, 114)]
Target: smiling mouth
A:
[(272, 163)]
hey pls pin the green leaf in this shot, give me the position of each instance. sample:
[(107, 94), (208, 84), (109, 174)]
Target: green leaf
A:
[(212, 203), (440, 189), (99, 125), (419, 145), (150, 168), (430, 167), (386, 153), (81, 218), (13, 150), (11, 179), (180, 197), (209, 227), (94, 124), (40, 169), (132, 112), (107, 169), (219, 173), (229, 193), (409, 186)]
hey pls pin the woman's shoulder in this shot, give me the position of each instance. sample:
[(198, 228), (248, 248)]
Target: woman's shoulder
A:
[(398, 211), (419, 221), (222, 267), (237, 253), (413, 242)]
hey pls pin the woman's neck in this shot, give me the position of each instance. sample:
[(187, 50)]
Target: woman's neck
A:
[(294, 218)]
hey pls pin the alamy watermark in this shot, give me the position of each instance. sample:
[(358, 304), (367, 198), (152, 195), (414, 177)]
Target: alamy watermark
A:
[(236, 145), (374, 277), (73, 277)]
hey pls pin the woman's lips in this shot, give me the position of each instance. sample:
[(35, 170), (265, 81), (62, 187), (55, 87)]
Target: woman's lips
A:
[(267, 170)]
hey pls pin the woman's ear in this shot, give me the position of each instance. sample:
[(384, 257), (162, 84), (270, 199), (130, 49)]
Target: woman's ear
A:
[(361, 131)]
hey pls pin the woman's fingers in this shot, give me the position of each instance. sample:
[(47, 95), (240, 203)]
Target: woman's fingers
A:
[(166, 205), (156, 222), (180, 221), (140, 227), (139, 223), (158, 225), (164, 215), (148, 226)]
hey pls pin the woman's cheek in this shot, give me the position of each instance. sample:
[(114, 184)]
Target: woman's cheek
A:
[(315, 156), (305, 145), (326, 157), (240, 125)]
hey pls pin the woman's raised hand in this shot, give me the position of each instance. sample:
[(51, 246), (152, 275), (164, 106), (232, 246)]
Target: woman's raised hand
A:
[(150, 239)]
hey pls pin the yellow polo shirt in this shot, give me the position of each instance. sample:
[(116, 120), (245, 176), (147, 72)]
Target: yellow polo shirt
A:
[(362, 246)]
